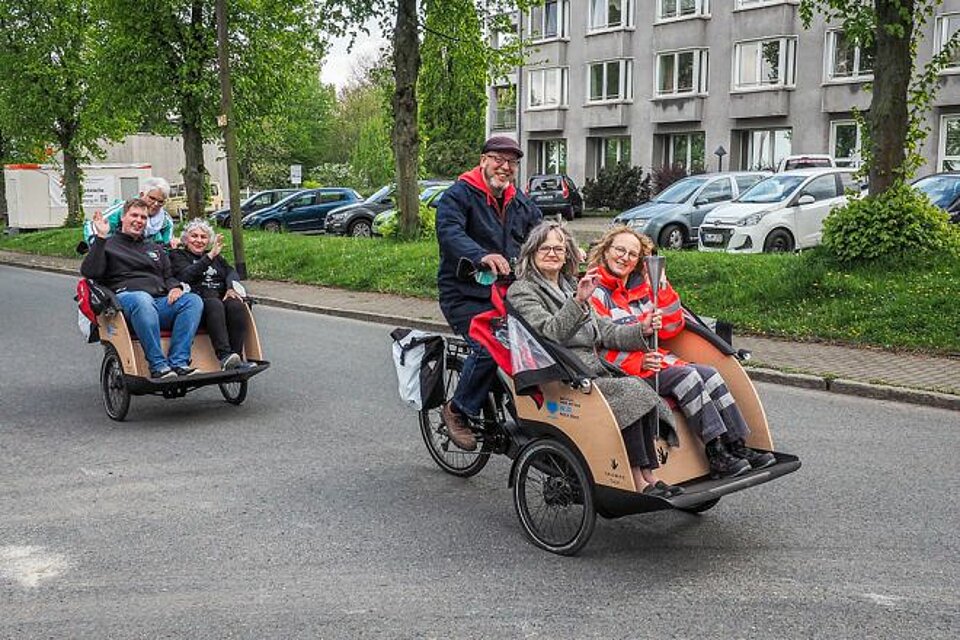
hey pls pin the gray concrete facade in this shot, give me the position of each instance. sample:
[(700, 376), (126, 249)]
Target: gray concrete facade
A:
[(754, 81)]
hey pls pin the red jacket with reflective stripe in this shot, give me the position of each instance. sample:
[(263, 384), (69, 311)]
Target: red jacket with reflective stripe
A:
[(631, 303)]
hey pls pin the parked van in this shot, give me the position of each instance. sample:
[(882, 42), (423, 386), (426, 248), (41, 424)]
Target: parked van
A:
[(177, 202)]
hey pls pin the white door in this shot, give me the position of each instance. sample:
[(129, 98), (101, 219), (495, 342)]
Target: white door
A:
[(810, 217)]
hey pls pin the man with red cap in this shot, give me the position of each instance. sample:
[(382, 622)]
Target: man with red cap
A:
[(485, 218)]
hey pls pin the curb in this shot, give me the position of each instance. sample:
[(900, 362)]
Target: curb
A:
[(757, 374)]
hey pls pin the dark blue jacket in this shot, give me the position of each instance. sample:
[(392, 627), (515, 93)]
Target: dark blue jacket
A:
[(468, 226)]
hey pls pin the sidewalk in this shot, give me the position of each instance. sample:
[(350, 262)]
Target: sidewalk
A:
[(868, 373)]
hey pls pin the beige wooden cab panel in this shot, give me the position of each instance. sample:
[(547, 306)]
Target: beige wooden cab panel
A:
[(114, 330)]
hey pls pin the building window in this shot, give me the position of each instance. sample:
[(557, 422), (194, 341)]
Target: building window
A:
[(764, 63), (548, 88), (551, 155), (947, 27), (672, 9), (762, 149), (504, 107), (846, 59), (505, 29), (610, 14), (682, 72), (612, 151), (685, 150), (611, 80), (949, 151), (845, 143), (549, 20)]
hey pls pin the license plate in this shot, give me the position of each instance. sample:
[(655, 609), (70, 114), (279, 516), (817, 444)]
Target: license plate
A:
[(713, 237)]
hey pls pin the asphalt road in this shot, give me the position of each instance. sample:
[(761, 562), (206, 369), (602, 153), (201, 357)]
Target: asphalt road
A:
[(313, 511)]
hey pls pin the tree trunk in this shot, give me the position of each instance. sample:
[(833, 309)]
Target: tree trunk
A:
[(406, 141), (4, 150), (889, 119), (194, 172), (72, 188)]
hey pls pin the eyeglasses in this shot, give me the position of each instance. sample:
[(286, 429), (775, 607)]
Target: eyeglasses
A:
[(623, 252), (546, 249), (499, 160), (150, 198)]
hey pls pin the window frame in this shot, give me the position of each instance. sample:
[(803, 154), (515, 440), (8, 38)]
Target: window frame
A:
[(701, 73), (626, 6), (563, 24), (941, 38), (746, 5), (601, 150), (857, 157), (830, 57), (701, 10), (562, 83), (688, 164), (942, 156), (625, 80), (747, 150), (541, 153), (786, 64)]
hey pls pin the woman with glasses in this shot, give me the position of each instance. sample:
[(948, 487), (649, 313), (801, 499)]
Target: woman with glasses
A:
[(159, 229), (548, 296), (625, 297)]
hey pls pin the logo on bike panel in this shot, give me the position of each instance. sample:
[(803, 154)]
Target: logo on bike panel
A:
[(563, 408)]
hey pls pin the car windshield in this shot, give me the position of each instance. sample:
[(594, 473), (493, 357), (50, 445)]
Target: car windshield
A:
[(942, 190), (773, 189), (380, 194), (545, 183), (679, 191)]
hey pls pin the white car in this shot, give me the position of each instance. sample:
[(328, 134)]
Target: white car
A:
[(781, 213)]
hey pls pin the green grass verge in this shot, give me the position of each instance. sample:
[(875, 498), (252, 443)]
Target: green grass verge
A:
[(909, 306)]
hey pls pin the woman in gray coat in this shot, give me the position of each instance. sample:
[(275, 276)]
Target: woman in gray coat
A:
[(557, 306)]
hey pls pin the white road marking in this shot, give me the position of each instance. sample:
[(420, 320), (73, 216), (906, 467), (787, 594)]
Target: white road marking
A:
[(882, 600), (30, 565)]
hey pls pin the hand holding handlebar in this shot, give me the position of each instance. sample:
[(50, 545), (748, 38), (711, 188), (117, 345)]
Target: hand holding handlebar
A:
[(496, 263)]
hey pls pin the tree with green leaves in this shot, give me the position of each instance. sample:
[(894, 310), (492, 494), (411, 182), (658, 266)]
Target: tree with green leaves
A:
[(53, 86), (452, 87), (165, 60), (402, 19)]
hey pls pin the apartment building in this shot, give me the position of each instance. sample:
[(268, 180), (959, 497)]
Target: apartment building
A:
[(659, 82)]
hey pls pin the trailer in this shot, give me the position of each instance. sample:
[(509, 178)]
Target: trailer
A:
[(35, 198)]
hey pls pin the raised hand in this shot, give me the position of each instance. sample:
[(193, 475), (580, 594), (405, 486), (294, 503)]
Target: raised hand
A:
[(587, 285), (217, 246), (100, 224)]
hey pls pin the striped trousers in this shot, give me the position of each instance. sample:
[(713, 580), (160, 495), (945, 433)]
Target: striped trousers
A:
[(704, 399)]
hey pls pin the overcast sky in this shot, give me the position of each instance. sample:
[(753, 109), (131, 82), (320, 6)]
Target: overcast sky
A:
[(338, 64)]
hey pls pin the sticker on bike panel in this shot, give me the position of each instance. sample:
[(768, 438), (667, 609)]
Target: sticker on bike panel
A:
[(563, 407)]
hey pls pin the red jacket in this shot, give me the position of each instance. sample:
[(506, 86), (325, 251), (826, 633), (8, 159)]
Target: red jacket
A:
[(631, 303)]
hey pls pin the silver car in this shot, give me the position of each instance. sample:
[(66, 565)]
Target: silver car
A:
[(672, 219)]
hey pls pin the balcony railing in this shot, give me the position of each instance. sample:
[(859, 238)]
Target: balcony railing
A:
[(504, 119)]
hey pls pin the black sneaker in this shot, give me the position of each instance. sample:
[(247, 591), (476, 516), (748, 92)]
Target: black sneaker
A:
[(757, 459), (163, 373), (230, 361), (186, 371), (722, 463)]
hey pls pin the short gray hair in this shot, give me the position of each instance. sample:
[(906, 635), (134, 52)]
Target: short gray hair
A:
[(528, 252), (197, 224), (156, 183)]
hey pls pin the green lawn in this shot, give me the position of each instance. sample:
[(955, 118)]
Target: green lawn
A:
[(913, 306)]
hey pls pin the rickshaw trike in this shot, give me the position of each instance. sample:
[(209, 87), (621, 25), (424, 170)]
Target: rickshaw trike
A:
[(124, 371), (569, 460)]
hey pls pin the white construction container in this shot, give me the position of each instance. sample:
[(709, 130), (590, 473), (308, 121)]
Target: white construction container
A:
[(35, 198)]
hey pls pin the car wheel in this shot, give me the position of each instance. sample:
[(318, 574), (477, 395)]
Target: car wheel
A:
[(360, 229), (568, 214), (779, 241), (272, 226), (672, 237)]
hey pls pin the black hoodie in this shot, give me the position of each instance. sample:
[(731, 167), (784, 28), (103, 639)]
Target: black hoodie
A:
[(125, 263)]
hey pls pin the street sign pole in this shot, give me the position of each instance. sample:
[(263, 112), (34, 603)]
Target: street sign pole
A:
[(229, 139)]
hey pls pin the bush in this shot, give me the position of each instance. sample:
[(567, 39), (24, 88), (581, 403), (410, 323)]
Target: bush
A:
[(898, 222), (428, 224), (666, 175), (619, 187)]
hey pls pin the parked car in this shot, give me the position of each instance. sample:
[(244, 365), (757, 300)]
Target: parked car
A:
[(943, 189), (259, 200), (176, 204), (302, 211), (357, 219), (430, 196), (556, 193), (806, 161), (780, 213), (672, 219)]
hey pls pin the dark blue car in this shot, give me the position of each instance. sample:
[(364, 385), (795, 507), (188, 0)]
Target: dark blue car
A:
[(303, 211)]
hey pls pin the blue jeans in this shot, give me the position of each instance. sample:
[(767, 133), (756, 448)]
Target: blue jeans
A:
[(148, 315), (479, 370)]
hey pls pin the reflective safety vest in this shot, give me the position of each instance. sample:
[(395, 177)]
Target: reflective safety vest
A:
[(631, 303)]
